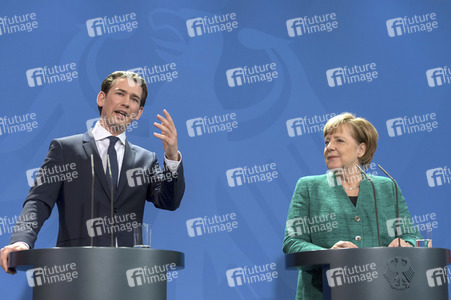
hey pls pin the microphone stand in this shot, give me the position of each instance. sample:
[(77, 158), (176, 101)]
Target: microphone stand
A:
[(112, 199), (375, 204), (397, 205), (92, 195)]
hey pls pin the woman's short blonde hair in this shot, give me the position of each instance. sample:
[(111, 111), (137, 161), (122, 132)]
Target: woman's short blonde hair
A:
[(362, 131)]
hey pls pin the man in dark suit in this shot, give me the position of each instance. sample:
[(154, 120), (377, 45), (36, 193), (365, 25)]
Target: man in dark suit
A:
[(131, 173)]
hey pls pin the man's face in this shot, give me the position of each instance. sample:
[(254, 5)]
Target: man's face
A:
[(121, 105)]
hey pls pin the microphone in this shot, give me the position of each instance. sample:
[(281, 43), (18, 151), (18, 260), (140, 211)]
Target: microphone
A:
[(92, 195), (375, 203), (112, 200), (397, 204)]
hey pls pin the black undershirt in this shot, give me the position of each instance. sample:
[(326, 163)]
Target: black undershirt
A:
[(353, 199)]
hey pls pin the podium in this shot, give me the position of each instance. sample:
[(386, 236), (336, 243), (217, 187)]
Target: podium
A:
[(98, 272), (377, 273)]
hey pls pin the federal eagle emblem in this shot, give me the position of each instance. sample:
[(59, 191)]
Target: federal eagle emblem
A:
[(399, 273)]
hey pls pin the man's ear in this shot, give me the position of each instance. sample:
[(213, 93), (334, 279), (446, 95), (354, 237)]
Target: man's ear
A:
[(139, 113), (101, 99)]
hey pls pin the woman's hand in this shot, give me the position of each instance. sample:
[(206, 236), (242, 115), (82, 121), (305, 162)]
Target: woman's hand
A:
[(343, 245)]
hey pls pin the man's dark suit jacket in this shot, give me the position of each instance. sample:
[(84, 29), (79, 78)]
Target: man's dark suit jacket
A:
[(73, 198)]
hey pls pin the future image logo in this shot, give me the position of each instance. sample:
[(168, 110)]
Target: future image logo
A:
[(395, 27), (313, 224), (18, 23), (235, 177), (332, 179), (111, 25), (351, 274), (35, 277), (92, 122), (335, 277), (411, 124), (438, 176), (438, 76), (437, 276), (195, 127), (18, 123), (235, 277), (235, 77), (95, 227), (35, 77), (195, 27), (209, 125), (335, 77), (23, 223), (50, 275), (148, 275), (400, 226), (210, 225), (52, 174), (394, 227), (119, 223), (395, 127), (95, 27), (334, 175), (248, 175), (210, 25), (139, 176), (251, 274), (310, 25), (296, 226), (294, 127), (251, 75), (351, 75), (51, 75), (307, 124), (195, 227), (157, 73), (409, 25), (32, 177), (135, 277)]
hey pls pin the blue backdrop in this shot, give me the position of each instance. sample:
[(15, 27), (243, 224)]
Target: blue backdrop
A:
[(250, 85)]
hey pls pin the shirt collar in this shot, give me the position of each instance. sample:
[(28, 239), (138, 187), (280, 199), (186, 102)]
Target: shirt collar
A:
[(100, 133)]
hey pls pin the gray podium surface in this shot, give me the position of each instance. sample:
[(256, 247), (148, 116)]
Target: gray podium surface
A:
[(98, 272), (377, 273)]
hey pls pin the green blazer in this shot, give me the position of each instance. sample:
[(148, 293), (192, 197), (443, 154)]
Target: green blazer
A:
[(322, 214)]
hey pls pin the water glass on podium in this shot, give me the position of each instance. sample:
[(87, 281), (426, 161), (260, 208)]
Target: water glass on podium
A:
[(426, 240), (142, 236)]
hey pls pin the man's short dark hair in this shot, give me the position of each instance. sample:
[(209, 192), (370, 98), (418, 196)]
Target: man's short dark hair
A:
[(111, 80)]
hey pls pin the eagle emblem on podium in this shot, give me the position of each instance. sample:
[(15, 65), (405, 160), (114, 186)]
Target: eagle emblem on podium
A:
[(399, 273)]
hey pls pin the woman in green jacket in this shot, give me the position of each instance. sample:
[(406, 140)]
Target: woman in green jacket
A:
[(336, 210)]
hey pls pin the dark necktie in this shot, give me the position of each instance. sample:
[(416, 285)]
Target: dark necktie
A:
[(113, 162)]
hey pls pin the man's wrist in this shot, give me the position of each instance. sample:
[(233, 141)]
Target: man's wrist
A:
[(173, 165), (22, 243), (173, 157)]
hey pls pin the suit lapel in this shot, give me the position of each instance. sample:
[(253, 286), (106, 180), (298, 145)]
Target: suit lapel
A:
[(127, 164), (366, 194), (90, 147)]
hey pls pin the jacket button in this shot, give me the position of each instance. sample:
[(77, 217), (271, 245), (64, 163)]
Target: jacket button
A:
[(357, 218), (358, 238)]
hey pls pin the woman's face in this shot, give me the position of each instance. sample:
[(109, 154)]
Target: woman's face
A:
[(341, 149)]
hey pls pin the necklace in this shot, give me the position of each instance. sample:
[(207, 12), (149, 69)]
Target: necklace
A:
[(351, 188)]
